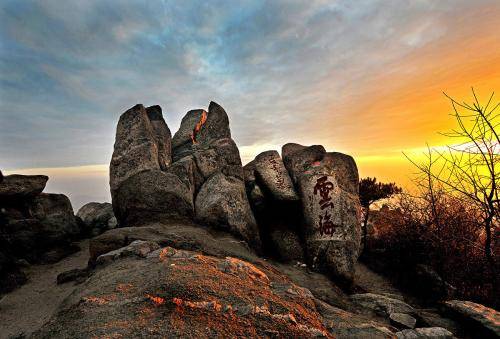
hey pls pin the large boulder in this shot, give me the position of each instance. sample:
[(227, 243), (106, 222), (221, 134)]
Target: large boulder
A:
[(199, 127), (43, 232), (97, 217), (275, 205), (135, 148), (485, 320), (331, 214), (222, 203), (56, 217), (145, 185), (216, 126), (152, 195), (34, 227), (221, 155), (162, 134), (298, 158), (273, 176), (381, 304), (16, 186), (183, 138), (178, 293)]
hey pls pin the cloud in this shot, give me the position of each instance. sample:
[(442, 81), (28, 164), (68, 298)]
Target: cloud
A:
[(284, 70)]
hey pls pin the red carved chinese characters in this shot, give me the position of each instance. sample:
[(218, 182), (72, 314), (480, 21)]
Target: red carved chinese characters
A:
[(323, 188)]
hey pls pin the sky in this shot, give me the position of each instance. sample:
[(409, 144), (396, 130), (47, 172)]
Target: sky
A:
[(361, 77)]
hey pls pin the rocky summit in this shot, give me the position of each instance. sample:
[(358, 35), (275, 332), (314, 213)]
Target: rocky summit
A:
[(194, 244), (305, 208)]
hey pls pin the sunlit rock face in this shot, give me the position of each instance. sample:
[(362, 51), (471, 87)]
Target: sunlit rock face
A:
[(176, 293)]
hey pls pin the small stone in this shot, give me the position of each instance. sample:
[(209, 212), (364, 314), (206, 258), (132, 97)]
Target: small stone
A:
[(402, 320), (381, 304), (425, 332)]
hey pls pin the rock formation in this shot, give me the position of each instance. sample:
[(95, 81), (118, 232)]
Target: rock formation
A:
[(34, 226), (331, 209), (96, 218), (154, 281), (303, 208), (307, 206), (204, 182), (485, 320)]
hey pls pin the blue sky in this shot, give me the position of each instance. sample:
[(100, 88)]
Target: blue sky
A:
[(301, 71)]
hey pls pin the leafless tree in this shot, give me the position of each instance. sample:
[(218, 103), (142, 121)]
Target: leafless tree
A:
[(468, 168)]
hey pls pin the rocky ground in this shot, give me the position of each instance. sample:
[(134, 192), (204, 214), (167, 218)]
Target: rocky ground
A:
[(189, 286), (27, 308)]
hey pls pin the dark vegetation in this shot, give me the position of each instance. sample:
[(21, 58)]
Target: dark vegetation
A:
[(441, 239), (371, 191)]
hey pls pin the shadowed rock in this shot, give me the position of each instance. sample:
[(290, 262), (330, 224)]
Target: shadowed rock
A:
[(162, 134), (97, 217), (152, 196), (425, 333), (55, 214), (222, 203), (287, 245), (382, 304), (182, 235), (221, 155), (273, 176), (298, 158), (346, 325), (331, 214), (182, 141), (18, 186), (402, 320), (138, 248), (135, 149), (485, 319)]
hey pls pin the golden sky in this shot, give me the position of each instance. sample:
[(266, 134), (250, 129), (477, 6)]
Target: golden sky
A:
[(402, 108)]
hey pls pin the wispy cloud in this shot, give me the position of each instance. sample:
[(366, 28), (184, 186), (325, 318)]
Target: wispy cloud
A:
[(309, 72)]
